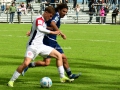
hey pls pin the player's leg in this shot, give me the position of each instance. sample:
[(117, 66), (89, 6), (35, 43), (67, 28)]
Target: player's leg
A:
[(67, 68), (29, 55), (59, 63), (66, 64), (45, 62), (19, 71)]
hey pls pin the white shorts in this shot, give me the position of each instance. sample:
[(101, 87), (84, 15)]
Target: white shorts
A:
[(33, 51)]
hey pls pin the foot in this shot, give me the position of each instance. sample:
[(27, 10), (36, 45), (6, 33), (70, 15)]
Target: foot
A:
[(74, 76), (66, 79), (25, 70), (10, 83)]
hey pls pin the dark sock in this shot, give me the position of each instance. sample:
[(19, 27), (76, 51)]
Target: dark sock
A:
[(68, 71), (32, 64)]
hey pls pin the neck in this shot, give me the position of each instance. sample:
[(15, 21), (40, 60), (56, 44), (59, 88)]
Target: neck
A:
[(43, 15)]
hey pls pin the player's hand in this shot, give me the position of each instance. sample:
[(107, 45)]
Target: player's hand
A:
[(28, 33), (63, 36)]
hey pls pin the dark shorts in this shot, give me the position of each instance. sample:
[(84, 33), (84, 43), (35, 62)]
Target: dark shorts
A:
[(53, 44)]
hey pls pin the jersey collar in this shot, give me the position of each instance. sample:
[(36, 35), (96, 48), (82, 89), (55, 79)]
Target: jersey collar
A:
[(42, 17)]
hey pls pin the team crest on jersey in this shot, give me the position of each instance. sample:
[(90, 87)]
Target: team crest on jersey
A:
[(56, 18), (40, 22)]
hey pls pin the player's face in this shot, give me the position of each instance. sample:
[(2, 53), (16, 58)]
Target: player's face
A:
[(63, 12), (48, 16)]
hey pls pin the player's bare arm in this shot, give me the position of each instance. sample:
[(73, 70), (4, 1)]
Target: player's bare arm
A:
[(53, 24), (50, 28), (55, 32)]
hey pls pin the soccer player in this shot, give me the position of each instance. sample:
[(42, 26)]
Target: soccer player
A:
[(50, 40), (35, 46)]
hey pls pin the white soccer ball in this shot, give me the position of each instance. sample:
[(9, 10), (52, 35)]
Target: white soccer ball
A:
[(45, 82)]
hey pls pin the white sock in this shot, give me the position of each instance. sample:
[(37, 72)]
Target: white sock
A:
[(61, 71), (15, 76)]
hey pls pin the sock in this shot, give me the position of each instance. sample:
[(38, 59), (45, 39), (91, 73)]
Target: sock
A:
[(68, 71), (61, 71), (32, 64), (15, 76)]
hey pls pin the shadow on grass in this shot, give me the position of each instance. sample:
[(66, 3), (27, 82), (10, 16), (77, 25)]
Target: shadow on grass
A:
[(11, 60), (4, 81), (95, 66), (12, 56), (88, 63)]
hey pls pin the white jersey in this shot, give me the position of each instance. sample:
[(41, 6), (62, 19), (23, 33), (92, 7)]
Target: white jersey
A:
[(35, 43), (38, 31)]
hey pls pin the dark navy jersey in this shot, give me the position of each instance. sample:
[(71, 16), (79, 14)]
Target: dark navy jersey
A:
[(49, 39), (56, 19)]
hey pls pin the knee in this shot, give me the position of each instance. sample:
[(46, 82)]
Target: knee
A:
[(64, 58), (59, 56), (25, 65), (47, 64)]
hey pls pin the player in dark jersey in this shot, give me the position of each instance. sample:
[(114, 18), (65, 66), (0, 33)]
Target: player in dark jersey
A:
[(35, 46), (51, 40)]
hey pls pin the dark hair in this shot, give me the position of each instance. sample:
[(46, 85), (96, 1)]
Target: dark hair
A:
[(50, 9), (61, 6)]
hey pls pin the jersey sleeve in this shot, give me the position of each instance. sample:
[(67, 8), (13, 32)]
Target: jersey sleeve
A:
[(55, 18), (39, 25), (39, 21)]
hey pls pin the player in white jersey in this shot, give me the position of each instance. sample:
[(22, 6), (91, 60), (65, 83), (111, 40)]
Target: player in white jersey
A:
[(51, 40), (35, 46)]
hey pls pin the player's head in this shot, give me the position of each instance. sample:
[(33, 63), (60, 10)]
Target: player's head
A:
[(48, 13), (62, 9)]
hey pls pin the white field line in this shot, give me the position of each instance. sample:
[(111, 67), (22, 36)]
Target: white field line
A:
[(66, 31), (89, 24), (93, 40), (11, 30), (12, 36), (68, 39), (92, 32)]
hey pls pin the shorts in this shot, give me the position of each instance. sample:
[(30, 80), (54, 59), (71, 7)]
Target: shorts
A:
[(33, 51), (52, 44)]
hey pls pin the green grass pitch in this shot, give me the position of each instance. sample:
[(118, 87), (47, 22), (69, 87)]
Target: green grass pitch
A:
[(93, 50)]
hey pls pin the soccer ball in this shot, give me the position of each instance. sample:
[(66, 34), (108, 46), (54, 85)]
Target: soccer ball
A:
[(45, 82)]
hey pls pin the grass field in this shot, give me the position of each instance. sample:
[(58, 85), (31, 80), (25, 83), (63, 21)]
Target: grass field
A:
[(93, 50)]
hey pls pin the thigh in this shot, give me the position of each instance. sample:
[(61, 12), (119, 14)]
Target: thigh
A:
[(32, 51)]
